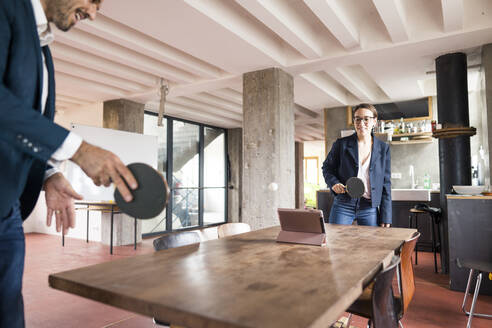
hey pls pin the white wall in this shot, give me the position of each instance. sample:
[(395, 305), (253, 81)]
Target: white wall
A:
[(36, 222)]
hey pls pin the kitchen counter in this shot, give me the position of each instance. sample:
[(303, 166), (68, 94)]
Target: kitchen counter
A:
[(470, 236), (412, 194), (468, 197)]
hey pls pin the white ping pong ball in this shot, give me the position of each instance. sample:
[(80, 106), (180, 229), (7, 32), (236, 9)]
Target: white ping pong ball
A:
[(273, 186)]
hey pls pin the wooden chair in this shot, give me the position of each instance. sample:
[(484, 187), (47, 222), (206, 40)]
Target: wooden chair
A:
[(172, 241), (230, 229), (406, 278), (377, 303), (406, 285)]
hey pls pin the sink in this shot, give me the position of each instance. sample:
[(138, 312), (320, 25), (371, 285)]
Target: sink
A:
[(411, 194)]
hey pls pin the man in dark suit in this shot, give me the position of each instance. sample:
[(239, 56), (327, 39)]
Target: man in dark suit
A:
[(29, 139)]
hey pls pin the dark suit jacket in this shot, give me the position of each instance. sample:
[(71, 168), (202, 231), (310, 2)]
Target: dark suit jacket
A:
[(27, 138), (343, 162)]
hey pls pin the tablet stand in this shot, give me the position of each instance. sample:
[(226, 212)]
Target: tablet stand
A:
[(309, 238)]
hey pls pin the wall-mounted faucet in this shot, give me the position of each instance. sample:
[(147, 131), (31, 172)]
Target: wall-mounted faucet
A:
[(412, 176)]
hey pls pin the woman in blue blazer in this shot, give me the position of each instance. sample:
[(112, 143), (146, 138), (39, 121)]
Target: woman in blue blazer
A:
[(366, 157)]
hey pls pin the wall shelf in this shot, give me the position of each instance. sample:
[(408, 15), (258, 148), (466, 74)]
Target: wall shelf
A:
[(411, 142)]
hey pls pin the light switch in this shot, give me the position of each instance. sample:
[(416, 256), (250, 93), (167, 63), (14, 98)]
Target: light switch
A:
[(396, 175)]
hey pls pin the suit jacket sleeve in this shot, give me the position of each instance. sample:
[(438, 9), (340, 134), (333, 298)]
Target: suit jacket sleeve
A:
[(385, 208), (22, 126), (331, 164)]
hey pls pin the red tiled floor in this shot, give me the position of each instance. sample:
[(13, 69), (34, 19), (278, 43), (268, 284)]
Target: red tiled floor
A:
[(433, 305)]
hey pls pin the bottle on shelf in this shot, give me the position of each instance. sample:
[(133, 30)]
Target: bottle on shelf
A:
[(427, 181), (402, 126)]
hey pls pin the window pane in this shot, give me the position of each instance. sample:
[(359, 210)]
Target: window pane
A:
[(185, 154), (311, 170), (185, 208), (158, 223), (151, 128), (214, 161), (213, 205)]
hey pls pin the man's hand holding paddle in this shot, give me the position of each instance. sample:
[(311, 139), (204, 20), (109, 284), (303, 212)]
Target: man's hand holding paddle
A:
[(104, 168)]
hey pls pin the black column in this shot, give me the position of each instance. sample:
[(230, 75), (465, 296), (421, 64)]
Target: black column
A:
[(454, 153)]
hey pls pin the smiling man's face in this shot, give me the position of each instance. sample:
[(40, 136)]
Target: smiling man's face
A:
[(66, 13)]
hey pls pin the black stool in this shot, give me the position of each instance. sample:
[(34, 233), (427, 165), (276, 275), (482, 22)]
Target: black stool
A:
[(435, 216)]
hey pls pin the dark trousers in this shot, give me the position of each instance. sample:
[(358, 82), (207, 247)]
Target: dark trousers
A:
[(12, 252)]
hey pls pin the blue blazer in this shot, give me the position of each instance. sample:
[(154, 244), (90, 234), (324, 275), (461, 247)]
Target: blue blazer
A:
[(27, 138), (343, 162)]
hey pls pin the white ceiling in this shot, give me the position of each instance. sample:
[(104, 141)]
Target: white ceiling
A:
[(340, 52)]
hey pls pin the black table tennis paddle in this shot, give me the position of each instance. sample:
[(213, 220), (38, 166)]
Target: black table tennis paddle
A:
[(355, 187), (150, 198)]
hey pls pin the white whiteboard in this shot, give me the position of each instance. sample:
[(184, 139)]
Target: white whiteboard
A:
[(129, 147)]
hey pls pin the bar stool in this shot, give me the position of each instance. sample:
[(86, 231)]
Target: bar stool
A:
[(434, 216)]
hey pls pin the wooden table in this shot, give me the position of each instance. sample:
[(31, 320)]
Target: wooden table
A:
[(103, 207), (246, 280)]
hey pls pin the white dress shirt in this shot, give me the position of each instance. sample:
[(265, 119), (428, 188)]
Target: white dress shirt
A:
[(72, 141), (364, 175)]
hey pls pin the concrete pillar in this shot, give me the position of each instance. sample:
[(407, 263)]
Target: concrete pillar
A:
[(124, 115), (268, 146), (487, 117), (335, 122), (299, 165), (235, 154)]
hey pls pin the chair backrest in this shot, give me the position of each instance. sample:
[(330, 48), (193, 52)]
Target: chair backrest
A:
[(176, 240), (383, 304), (407, 282), (230, 229)]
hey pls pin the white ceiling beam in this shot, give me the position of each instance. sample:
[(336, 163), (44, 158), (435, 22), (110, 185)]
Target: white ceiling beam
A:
[(246, 28), (75, 83), (298, 109), (307, 135), (74, 55), (452, 15), (313, 131), (323, 82), (206, 86), (117, 53), (229, 94), (337, 20), (125, 36), (66, 103), (193, 89), (92, 75), (215, 110), (210, 99), (191, 114), (72, 99), (303, 121), (392, 14), (348, 83), (286, 23), (302, 136)]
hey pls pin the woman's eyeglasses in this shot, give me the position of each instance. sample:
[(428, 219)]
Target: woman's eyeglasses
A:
[(366, 119)]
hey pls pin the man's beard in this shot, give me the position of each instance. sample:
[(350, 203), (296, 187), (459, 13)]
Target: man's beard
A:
[(61, 17)]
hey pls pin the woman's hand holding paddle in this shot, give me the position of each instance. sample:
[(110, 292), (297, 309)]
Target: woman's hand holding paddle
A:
[(339, 188)]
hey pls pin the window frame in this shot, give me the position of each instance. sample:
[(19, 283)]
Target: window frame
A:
[(169, 171)]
